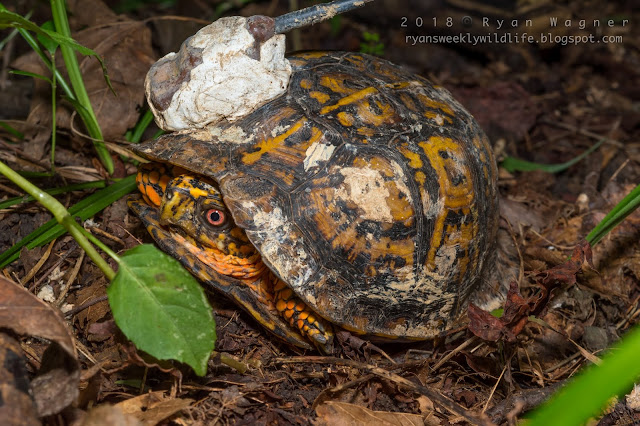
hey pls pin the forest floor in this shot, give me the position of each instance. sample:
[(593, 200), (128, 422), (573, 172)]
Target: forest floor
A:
[(542, 102)]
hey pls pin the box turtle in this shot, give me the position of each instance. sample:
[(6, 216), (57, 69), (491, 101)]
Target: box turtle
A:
[(363, 198)]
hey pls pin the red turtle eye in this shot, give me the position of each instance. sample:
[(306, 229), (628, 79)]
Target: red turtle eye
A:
[(215, 217)]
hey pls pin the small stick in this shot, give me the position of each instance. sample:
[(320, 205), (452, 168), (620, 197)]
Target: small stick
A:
[(314, 14)]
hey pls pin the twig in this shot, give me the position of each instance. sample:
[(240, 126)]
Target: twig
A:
[(32, 273), (314, 14), (230, 361), (340, 388), (59, 262), (472, 341), (72, 277), (583, 132), (85, 305)]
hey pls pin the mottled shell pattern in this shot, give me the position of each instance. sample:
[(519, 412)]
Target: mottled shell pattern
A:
[(370, 191)]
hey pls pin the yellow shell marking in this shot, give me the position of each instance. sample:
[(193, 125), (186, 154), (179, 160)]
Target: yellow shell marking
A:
[(454, 197), (319, 96), (272, 143), (431, 103), (306, 83), (336, 84), (345, 119), (354, 97), (366, 114)]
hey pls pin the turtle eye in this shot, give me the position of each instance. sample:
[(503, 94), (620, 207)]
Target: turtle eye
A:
[(215, 217)]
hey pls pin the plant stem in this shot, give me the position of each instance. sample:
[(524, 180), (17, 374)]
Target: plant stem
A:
[(100, 244), (62, 216), (53, 116)]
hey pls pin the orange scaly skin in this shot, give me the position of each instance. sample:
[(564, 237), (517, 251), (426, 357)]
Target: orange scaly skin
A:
[(298, 314), (183, 202)]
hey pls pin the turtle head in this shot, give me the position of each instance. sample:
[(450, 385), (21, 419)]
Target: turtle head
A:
[(195, 207)]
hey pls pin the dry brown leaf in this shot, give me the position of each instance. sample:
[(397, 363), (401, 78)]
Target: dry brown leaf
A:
[(517, 308), (17, 407), (344, 414), (108, 415), (126, 49), (56, 384), (153, 407), (95, 312)]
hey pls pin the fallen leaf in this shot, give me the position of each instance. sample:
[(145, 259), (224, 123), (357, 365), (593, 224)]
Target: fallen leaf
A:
[(94, 313), (17, 407), (153, 407), (344, 414), (517, 308), (108, 415), (56, 384)]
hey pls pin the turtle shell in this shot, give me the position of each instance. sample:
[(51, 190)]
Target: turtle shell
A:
[(370, 191)]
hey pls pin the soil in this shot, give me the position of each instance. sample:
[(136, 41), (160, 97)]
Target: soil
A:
[(541, 102)]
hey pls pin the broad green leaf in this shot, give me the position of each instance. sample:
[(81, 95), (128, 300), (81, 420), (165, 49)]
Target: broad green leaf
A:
[(162, 308), (512, 164), (83, 210)]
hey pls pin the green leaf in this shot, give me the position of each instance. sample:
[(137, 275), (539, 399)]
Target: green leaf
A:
[(83, 210), (13, 20), (587, 394), (512, 164), (31, 74), (162, 308), (49, 44)]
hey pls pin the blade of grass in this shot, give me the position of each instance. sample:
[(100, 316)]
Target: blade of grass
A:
[(75, 76), (83, 210), (31, 74), (18, 134), (54, 191), (12, 34), (512, 164), (621, 210), (142, 125)]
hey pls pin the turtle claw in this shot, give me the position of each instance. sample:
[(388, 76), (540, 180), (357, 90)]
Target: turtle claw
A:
[(323, 342)]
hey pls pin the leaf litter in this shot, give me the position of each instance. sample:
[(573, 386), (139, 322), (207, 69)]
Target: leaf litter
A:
[(572, 97)]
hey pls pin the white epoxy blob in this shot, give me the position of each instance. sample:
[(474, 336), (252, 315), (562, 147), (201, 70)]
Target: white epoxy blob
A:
[(222, 72)]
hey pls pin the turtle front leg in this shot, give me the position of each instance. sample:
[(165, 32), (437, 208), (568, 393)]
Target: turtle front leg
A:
[(152, 180), (299, 315)]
